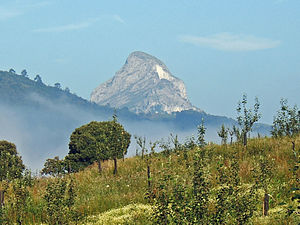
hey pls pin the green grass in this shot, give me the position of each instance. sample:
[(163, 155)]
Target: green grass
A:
[(108, 199)]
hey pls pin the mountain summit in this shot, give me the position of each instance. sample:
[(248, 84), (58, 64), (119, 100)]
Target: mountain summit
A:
[(144, 85)]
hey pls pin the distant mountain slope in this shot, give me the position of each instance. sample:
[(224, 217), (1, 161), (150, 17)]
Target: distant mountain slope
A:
[(18, 89), (144, 85), (40, 119)]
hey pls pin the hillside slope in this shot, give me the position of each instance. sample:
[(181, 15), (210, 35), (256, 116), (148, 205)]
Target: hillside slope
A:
[(121, 199), (40, 118)]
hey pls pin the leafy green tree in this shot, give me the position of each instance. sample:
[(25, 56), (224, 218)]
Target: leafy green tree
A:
[(54, 167), (87, 145), (223, 133), (201, 133), (97, 141), (286, 122), (118, 141), (11, 165), (247, 117)]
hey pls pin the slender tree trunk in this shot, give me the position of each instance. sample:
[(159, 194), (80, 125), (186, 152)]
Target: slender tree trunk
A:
[(69, 168), (115, 163), (266, 204), (1, 198), (294, 145), (99, 166), (245, 138), (231, 140), (149, 176)]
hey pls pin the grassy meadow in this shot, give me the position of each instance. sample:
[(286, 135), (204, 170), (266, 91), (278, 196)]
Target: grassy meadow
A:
[(124, 198)]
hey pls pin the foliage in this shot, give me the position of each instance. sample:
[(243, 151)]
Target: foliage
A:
[(169, 202), (200, 187), (223, 133), (60, 198), (178, 202), (21, 197), (230, 179), (190, 143), (247, 117), (294, 204), (17, 200), (11, 165), (235, 202), (201, 133), (96, 141), (54, 167), (117, 142), (141, 142), (287, 121)]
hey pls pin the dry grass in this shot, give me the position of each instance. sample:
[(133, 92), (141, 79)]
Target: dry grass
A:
[(100, 193)]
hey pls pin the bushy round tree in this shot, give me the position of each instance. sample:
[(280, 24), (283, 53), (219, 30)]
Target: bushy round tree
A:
[(11, 165), (97, 141)]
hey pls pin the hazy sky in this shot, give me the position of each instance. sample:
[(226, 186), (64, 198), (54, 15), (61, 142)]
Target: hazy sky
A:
[(219, 48)]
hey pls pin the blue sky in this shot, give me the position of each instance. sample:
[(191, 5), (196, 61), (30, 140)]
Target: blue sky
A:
[(220, 49)]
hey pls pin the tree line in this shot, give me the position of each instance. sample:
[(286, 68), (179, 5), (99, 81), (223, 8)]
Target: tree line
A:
[(38, 79)]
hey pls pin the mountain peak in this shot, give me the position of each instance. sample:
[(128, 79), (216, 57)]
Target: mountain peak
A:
[(144, 85), (140, 54)]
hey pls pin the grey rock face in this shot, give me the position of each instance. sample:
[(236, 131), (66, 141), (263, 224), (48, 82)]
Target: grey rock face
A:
[(143, 85)]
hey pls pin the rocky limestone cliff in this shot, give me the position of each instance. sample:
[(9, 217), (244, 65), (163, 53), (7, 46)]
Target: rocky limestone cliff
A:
[(144, 85)]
